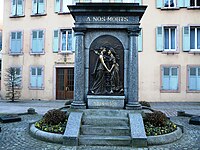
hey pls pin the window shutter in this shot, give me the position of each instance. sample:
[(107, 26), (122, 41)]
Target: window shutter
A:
[(18, 42), (33, 77), (138, 1), (187, 3), (192, 79), (198, 79), (41, 7), (165, 80), (34, 41), (13, 7), (186, 39), (40, 41), (180, 3), (159, 39), (174, 79), (118, 1), (64, 5), (140, 41), (20, 7), (34, 6), (55, 41), (39, 77), (105, 1), (13, 36), (159, 3), (57, 6)]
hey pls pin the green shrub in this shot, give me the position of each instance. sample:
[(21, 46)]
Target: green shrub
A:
[(54, 117), (144, 103), (156, 118)]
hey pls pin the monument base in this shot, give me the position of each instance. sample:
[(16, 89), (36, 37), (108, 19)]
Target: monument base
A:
[(134, 106), (101, 101)]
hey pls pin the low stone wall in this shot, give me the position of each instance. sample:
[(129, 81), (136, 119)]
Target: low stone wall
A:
[(165, 139), (45, 136)]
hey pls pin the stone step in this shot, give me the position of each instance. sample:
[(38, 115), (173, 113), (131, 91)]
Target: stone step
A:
[(106, 112), (105, 121), (99, 130), (105, 140)]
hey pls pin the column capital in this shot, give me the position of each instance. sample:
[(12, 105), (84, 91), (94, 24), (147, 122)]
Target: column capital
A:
[(134, 31)]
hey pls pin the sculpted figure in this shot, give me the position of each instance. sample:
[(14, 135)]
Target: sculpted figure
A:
[(98, 74)]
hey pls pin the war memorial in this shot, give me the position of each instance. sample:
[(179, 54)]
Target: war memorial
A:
[(105, 110)]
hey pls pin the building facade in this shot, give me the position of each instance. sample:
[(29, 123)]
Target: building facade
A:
[(38, 41)]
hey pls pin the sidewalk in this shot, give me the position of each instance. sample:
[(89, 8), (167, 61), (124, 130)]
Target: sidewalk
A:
[(21, 106)]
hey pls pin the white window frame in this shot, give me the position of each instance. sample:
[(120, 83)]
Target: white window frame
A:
[(38, 13), (170, 40), (195, 4), (161, 78), (61, 6), (42, 74), (175, 4), (188, 78), (196, 49), (60, 41)]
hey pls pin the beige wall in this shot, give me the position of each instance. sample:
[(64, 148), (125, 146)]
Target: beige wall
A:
[(49, 23), (149, 59)]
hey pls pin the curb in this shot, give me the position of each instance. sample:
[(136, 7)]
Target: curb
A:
[(45, 136), (165, 139)]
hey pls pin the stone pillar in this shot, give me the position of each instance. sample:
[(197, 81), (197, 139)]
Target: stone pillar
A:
[(132, 76), (79, 72)]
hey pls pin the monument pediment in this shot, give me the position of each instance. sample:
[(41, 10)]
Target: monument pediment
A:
[(105, 15)]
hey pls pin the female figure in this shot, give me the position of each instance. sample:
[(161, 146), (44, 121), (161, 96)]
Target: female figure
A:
[(115, 79), (100, 69)]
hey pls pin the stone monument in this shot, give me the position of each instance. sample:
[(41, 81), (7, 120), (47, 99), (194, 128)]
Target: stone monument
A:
[(106, 57)]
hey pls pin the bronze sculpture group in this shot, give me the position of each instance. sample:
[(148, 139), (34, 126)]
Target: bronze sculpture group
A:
[(106, 79)]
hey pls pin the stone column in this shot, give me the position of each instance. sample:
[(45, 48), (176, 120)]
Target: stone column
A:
[(132, 76), (79, 72)]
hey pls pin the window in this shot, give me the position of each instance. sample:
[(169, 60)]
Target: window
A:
[(167, 39), (170, 78), (38, 7), (61, 6), (36, 77), (191, 39), (17, 7), (195, 38), (0, 40), (170, 38), (194, 3), (18, 74), (16, 43), (169, 3), (37, 42), (63, 40), (194, 78)]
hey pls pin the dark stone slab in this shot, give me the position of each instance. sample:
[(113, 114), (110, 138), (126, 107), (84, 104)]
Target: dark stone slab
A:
[(195, 120), (9, 118)]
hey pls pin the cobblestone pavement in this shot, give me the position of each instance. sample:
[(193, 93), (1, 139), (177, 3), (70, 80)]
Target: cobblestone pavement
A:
[(14, 136)]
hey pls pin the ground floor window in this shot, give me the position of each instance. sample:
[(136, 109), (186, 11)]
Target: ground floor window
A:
[(36, 77), (194, 78), (170, 78)]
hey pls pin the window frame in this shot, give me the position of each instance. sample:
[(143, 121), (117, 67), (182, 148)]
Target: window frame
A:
[(188, 81), (31, 41), (177, 46), (169, 28), (169, 7), (195, 6), (17, 15), (61, 6), (30, 75), (22, 43), (179, 79), (60, 41), (196, 41)]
